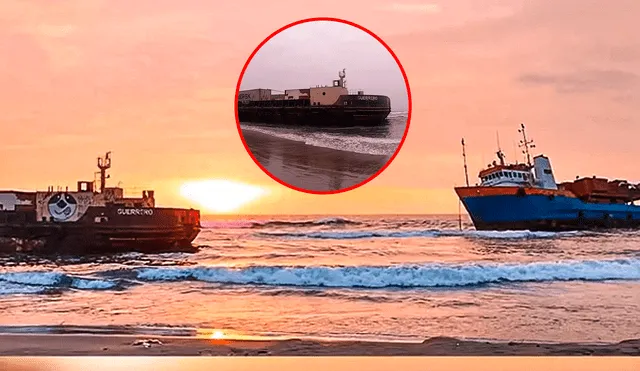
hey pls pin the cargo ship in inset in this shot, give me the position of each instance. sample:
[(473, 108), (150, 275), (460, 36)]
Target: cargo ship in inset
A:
[(525, 196), (321, 106), (90, 220)]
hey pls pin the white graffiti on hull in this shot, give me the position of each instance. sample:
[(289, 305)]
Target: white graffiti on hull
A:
[(135, 212)]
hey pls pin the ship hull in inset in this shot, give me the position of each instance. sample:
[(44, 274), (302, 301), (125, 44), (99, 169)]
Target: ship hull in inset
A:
[(102, 230), (534, 209), (347, 111), (314, 116)]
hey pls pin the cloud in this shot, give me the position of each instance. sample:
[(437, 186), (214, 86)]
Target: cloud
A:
[(414, 8), (50, 141), (584, 81)]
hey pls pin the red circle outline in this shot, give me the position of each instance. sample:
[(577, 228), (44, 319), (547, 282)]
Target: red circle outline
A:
[(373, 176)]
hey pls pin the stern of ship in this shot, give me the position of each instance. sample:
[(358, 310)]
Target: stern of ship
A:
[(147, 230)]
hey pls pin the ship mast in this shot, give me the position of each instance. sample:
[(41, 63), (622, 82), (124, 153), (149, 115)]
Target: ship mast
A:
[(527, 144), (342, 74), (103, 165), (464, 157), (500, 154)]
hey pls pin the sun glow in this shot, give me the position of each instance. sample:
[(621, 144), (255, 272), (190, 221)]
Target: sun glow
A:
[(217, 334), (221, 195)]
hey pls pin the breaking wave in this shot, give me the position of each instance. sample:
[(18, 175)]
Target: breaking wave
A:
[(375, 277), (429, 275), (304, 223), (350, 143), (244, 224), (41, 282), (395, 114), (347, 235)]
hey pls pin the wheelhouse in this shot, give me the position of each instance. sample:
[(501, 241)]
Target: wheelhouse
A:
[(510, 175)]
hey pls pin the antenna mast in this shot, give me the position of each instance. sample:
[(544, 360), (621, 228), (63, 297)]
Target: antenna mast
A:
[(527, 144), (103, 165), (342, 74), (464, 156), (500, 154)]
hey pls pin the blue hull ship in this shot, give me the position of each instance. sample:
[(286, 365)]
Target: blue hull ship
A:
[(527, 197)]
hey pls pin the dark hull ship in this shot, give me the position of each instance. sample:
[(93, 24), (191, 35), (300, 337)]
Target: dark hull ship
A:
[(322, 106), (88, 221)]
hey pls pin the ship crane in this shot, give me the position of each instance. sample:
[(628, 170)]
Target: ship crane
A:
[(104, 163)]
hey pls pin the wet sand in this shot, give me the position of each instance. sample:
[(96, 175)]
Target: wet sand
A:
[(111, 345), (319, 363), (310, 167)]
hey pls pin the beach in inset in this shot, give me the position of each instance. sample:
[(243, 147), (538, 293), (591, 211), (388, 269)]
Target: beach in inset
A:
[(327, 159)]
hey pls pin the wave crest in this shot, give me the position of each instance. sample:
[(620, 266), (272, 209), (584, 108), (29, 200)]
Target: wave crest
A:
[(425, 276), (373, 277), (351, 143), (347, 235), (310, 223), (39, 282)]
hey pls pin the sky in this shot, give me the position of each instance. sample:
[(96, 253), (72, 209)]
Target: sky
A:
[(311, 54), (154, 82)]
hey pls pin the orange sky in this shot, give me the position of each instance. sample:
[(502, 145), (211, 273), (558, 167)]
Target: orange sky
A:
[(154, 82)]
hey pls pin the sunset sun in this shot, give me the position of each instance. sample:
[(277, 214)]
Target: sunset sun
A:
[(221, 195)]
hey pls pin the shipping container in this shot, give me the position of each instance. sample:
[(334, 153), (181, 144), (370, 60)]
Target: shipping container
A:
[(254, 95), (603, 190), (297, 93)]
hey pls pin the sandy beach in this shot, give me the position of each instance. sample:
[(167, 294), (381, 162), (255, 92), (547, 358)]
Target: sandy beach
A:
[(319, 363), (105, 345), (310, 167)]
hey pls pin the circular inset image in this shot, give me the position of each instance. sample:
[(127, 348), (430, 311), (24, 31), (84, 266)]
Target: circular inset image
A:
[(304, 125)]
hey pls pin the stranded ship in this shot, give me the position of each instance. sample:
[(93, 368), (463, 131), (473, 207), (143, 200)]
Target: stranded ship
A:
[(319, 106), (88, 220), (525, 196)]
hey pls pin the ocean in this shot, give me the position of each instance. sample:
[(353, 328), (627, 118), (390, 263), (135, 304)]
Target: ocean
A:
[(324, 159), (392, 278)]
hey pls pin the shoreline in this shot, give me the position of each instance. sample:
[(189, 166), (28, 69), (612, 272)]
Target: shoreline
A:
[(194, 333), (138, 345), (310, 167), (261, 135)]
